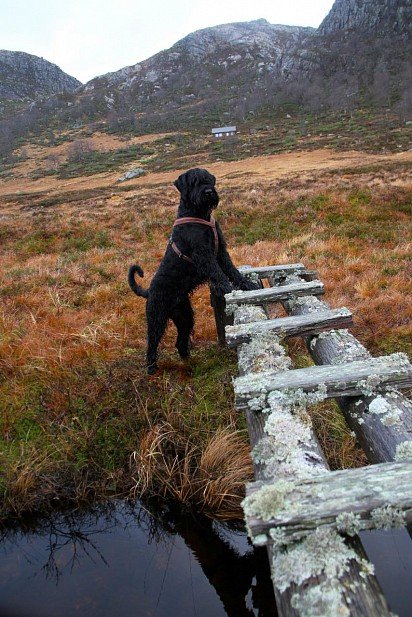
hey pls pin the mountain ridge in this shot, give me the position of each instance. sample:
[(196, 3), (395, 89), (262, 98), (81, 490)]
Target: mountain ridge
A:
[(25, 76), (359, 56)]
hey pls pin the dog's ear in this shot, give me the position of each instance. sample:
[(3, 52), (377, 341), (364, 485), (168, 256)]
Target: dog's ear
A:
[(181, 184)]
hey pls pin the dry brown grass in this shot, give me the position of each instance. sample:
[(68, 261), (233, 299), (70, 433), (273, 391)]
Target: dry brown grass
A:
[(208, 477), (73, 392)]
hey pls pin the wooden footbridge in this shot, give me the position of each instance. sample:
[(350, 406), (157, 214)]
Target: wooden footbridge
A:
[(306, 515)]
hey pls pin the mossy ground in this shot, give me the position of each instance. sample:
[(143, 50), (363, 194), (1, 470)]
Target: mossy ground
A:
[(77, 409)]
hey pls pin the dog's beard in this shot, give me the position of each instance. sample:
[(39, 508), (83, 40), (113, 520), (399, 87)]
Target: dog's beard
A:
[(208, 201)]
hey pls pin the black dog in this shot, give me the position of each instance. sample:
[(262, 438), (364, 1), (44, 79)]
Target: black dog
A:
[(196, 254)]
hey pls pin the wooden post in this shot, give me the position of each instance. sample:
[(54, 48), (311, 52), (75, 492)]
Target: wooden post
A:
[(222, 319)]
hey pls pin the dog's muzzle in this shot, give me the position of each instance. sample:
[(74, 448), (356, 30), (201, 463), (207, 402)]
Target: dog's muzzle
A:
[(209, 198)]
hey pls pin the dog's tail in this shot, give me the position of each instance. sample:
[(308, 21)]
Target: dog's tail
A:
[(139, 291)]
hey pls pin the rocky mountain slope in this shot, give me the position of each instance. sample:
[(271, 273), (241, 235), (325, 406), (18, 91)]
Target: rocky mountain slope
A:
[(27, 77), (360, 56), (216, 66), (380, 17)]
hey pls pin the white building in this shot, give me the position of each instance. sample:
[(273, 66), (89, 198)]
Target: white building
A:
[(224, 131)]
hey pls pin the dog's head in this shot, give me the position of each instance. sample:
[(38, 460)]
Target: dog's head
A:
[(197, 190)]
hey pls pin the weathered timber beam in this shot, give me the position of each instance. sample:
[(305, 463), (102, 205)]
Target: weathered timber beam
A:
[(256, 422), (278, 273), (265, 271), (350, 500), (331, 381), (361, 595), (380, 434), (290, 326), (275, 294)]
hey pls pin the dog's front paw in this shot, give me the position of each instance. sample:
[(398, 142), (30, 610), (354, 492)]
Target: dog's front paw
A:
[(226, 289), (221, 290), (248, 285)]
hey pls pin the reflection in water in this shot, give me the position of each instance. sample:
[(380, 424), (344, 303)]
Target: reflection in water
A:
[(391, 553), (124, 560)]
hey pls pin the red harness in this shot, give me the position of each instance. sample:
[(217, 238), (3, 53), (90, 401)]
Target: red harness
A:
[(190, 219)]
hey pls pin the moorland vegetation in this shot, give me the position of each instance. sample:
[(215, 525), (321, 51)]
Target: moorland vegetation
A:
[(80, 420)]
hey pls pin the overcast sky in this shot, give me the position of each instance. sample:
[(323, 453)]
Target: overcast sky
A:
[(87, 38)]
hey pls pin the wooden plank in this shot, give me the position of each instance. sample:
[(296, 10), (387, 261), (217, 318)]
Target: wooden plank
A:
[(280, 272), (351, 379), (349, 501), (290, 326), (275, 294), (308, 275), (380, 435), (265, 271)]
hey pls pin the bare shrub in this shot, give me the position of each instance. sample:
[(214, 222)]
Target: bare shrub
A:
[(79, 150)]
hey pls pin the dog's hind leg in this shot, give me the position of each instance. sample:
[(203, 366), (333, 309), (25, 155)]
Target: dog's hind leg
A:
[(183, 318), (157, 318)]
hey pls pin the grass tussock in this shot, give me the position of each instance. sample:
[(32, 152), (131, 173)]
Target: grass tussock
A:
[(79, 418), (209, 478)]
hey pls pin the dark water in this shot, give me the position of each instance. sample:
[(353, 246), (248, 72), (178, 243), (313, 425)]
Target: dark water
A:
[(391, 553), (128, 562)]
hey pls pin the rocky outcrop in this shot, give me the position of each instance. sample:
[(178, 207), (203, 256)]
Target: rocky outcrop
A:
[(360, 55), (205, 54), (27, 77), (378, 16), (230, 65)]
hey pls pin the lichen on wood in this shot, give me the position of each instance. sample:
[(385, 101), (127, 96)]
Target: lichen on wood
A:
[(350, 379), (280, 270), (403, 451), (379, 440), (324, 600), (288, 326), (348, 523), (245, 313), (388, 415), (311, 303), (274, 294), (348, 500), (325, 554), (263, 353), (266, 502), (388, 517), (290, 457)]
